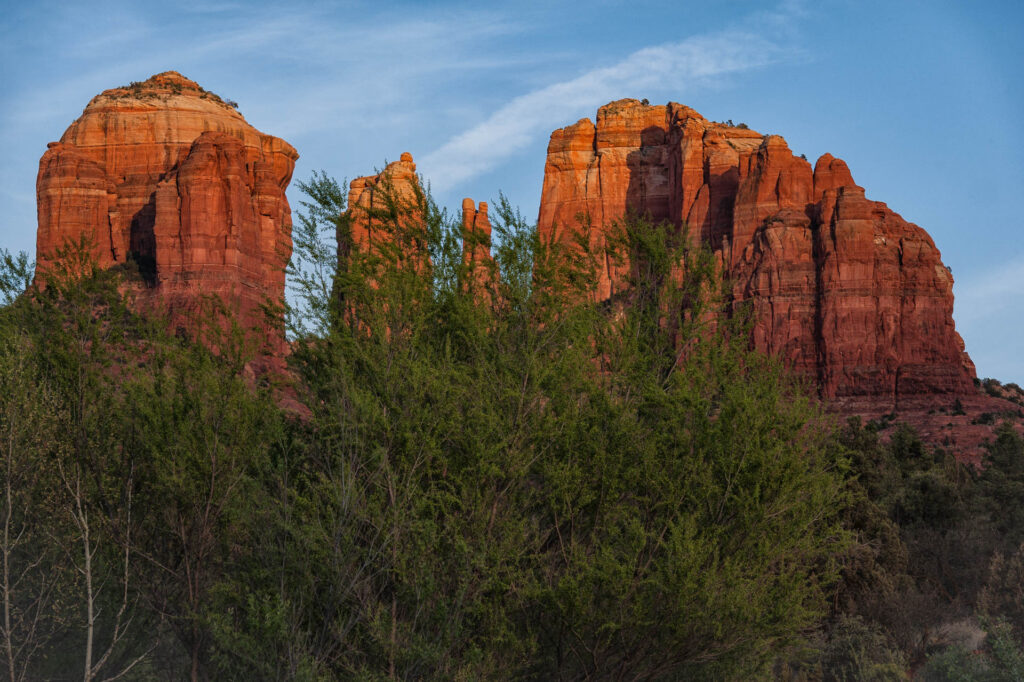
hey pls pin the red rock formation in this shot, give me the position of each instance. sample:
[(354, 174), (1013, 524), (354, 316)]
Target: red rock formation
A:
[(377, 203), (170, 176), (842, 287), (395, 189), (476, 234)]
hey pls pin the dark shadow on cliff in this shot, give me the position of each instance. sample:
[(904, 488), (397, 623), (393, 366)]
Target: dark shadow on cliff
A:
[(643, 198), (142, 241)]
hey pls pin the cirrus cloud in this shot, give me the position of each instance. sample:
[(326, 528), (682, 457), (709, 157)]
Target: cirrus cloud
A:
[(679, 66)]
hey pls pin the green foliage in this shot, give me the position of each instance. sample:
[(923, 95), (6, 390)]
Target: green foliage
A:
[(33, 578), (314, 263), (691, 453), (858, 651), (148, 470), (955, 664), (69, 338), (992, 387), (1001, 484), (1002, 595), (16, 272), (913, 567), (1002, 660), (958, 408), (514, 479), (199, 441), (476, 472), (937, 546)]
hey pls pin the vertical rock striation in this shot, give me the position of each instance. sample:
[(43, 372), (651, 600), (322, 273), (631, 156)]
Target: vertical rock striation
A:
[(843, 289), (379, 203), (169, 176), (476, 234)]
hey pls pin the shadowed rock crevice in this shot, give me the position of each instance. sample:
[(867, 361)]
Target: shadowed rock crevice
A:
[(142, 249)]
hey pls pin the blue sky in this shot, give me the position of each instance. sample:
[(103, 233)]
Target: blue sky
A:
[(924, 100)]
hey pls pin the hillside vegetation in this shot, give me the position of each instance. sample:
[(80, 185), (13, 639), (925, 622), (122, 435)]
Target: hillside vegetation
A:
[(473, 472)]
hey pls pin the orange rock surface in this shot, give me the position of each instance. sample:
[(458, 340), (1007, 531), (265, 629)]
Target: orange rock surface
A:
[(167, 175), (476, 235), (843, 288), (393, 189), (379, 202)]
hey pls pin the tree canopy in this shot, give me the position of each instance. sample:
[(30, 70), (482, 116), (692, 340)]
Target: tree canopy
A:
[(470, 469)]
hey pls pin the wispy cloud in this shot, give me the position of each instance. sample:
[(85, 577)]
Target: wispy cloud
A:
[(341, 68), (372, 75), (678, 66)]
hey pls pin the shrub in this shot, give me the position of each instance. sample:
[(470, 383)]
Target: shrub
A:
[(857, 650)]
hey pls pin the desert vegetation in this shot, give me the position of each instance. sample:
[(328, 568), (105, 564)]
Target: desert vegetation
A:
[(473, 471)]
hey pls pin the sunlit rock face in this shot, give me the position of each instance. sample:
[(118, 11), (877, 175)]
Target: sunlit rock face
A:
[(476, 235), (843, 289), (393, 196), (395, 188), (171, 178)]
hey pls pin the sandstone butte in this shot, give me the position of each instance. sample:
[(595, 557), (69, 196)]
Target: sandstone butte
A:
[(843, 289), (167, 175)]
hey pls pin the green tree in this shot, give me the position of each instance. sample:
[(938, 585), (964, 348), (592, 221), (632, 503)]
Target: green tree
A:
[(1001, 484), (16, 273), (33, 578), (199, 439), (691, 495), (74, 335), (479, 472), (533, 483)]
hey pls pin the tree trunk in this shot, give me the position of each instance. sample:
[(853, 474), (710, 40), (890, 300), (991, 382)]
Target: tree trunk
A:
[(195, 656), (8, 645), (91, 616)]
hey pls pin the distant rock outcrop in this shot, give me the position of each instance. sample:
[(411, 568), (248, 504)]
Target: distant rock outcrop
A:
[(379, 202), (476, 235), (168, 175), (843, 288), (395, 188)]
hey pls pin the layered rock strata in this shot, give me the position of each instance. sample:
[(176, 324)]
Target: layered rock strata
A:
[(169, 176), (843, 289)]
